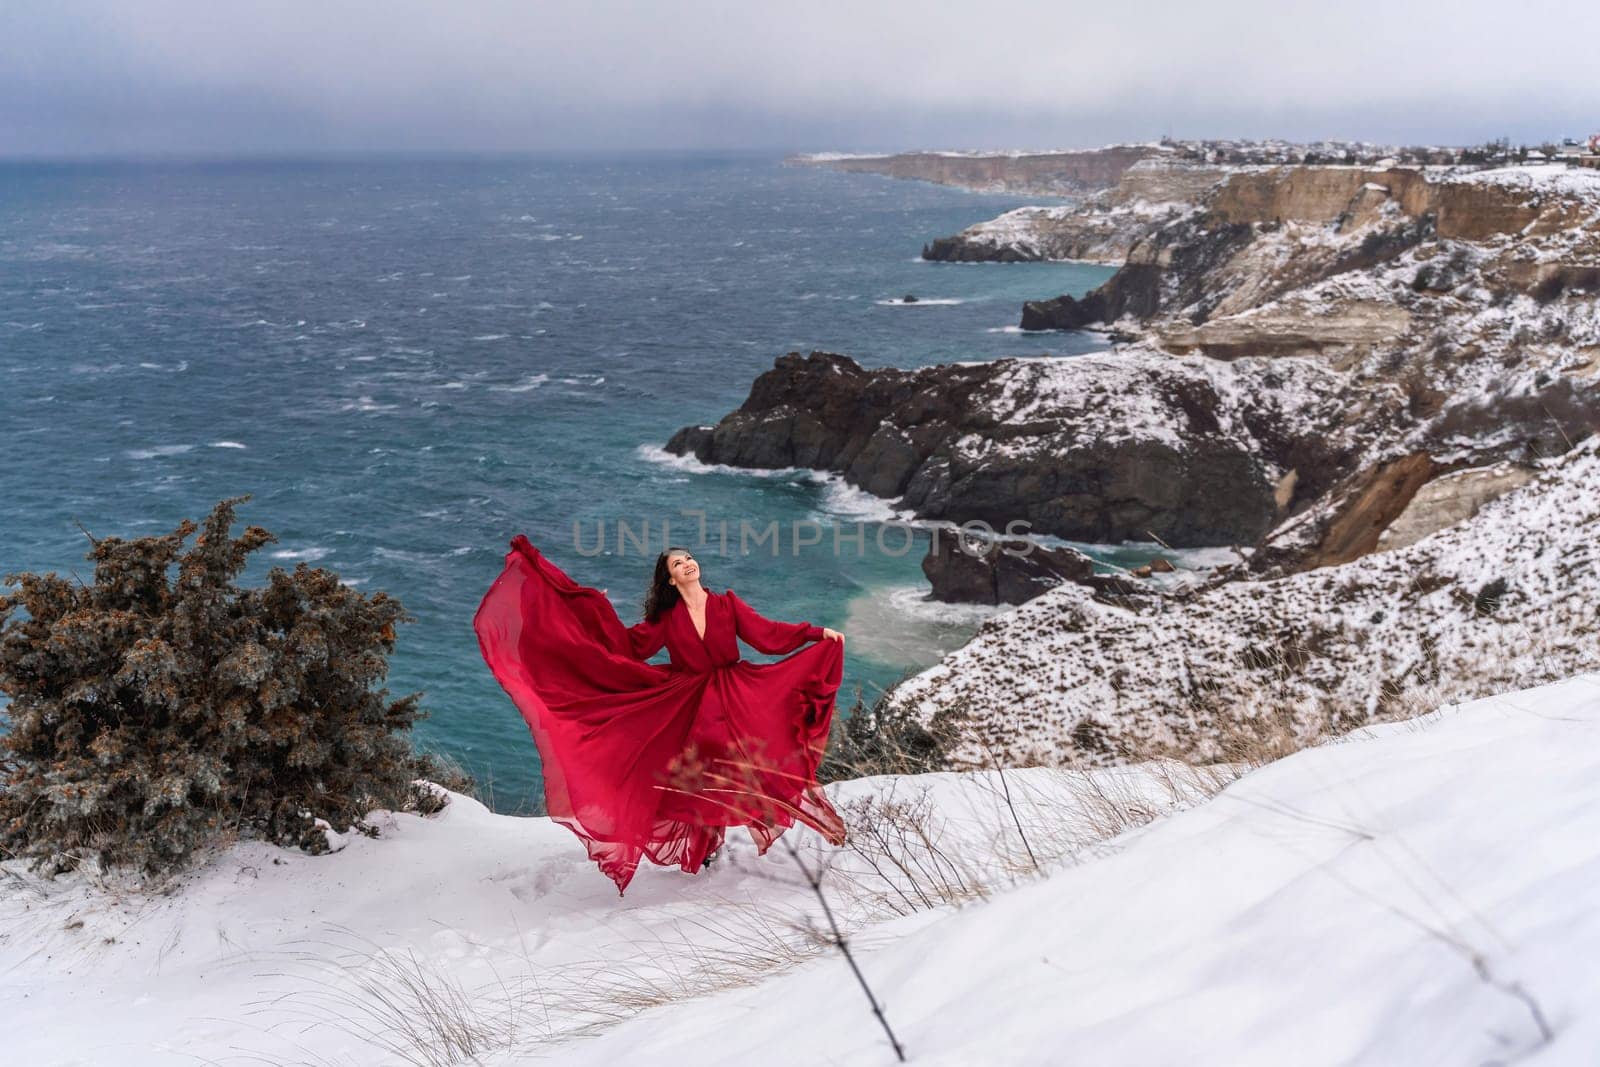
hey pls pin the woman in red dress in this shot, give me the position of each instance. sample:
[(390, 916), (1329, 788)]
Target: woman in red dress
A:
[(641, 759)]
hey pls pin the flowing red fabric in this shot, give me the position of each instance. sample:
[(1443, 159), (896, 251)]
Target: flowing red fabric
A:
[(648, 760)]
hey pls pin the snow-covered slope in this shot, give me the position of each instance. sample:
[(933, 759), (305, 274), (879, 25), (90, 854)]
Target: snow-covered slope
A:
[(469, 932), (1508, 598), (1420, 892)]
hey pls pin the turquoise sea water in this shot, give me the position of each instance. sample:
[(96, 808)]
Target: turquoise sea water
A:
[(406, 363)]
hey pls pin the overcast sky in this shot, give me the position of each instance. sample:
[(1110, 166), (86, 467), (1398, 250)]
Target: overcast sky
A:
[(219, 77)]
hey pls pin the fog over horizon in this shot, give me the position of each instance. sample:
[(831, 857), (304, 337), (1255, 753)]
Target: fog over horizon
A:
[(178, 77)]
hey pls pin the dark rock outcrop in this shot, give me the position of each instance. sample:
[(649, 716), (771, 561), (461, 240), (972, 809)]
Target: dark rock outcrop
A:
[(1092, 448), (959, 250), (1168, 269), (1064, 312), (999, 571)]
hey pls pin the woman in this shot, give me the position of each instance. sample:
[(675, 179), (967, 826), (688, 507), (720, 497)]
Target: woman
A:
[(651, 760)]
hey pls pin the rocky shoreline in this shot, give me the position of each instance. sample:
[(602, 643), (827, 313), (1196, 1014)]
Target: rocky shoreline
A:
[(1311, 347), (1100, 448), (1383, 380)]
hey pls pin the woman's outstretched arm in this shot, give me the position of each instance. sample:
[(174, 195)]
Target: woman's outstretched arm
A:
[(648, 637), (766, 635)]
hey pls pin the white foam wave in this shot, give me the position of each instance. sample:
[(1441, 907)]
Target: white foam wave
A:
[(660, 456), (916, 601), (403, 555), (158, 451), (840, 499), (310, 555), (491, 337), (531, 382), (366, 403), (227, 444), (1004, 329), (902, 625)]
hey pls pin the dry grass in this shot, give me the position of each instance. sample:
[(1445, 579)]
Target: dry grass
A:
[(394, 1001), (906, 855), (414, 1010)]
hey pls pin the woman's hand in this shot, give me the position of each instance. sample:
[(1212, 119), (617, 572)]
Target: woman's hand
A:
[(832, 635)]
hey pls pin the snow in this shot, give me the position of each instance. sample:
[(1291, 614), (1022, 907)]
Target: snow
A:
[(1381, 629), (1576, 182), (1128, 395), (1379, 901), (1416, 892), (272, 953)]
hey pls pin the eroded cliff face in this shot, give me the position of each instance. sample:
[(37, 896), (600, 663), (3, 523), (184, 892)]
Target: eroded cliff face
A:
[(1102, 228), (1040, 173), (1466, 205), (1466, 298)]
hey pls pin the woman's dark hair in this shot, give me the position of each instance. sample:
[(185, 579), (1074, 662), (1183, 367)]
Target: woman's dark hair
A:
[(662, 594)]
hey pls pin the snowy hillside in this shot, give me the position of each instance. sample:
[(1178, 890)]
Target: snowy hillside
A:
[(1507, 598), (1421, 893), (1418, 892)]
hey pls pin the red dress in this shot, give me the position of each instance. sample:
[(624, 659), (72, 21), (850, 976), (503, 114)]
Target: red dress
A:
[(641, 759)]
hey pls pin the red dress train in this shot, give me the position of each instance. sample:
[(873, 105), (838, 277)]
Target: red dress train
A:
[(641, 759)]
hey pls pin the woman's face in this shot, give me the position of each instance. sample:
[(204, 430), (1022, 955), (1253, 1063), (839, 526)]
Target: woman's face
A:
[(682, 568)]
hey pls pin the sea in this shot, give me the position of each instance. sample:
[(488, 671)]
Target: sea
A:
[(404, 363)]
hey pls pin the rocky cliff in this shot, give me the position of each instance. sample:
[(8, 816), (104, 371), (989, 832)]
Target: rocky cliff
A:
[(1039, 173), (1314, 347), (1102, 447), (1387, 377), (1508, 597), (1101, 228), (1466, 298)]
